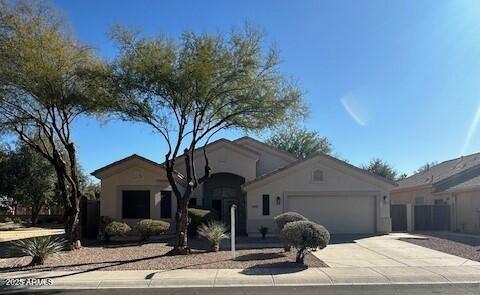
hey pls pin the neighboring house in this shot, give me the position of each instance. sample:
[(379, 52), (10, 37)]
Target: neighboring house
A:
[(261, 180), (455, 183)]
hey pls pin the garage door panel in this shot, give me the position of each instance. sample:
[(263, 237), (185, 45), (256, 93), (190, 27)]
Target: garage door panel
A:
[(339, 214)]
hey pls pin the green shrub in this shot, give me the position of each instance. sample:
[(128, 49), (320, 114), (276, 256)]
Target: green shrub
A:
[(150, 227), (263, 231), (305, 236), (7, 219), (40, 248), (104, 221), (17, 219), (199, 216), (116, 228), (214, 232), (284, 218)]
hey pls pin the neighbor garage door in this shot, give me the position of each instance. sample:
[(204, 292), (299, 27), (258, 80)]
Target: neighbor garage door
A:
[(339, 214)]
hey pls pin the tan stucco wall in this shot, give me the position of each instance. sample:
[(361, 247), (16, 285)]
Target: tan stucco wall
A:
[(408, 196), (133, 175), (467, 211), (298, 180), (268, 161)]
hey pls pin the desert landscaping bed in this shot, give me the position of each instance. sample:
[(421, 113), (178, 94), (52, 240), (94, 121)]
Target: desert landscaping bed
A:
[(152, 255), (464, 246)]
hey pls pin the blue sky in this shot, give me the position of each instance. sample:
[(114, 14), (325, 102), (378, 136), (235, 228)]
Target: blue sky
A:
[(399, 80)]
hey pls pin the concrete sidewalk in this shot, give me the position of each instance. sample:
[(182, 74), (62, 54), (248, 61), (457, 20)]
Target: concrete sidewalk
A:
[(248, 277)]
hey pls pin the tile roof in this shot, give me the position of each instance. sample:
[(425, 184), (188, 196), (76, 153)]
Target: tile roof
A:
[(441, 171), (471, 183)]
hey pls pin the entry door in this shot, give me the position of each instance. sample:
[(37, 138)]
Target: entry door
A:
[(226, 197)]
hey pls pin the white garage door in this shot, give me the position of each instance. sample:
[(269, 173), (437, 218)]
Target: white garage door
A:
[(339, 214)]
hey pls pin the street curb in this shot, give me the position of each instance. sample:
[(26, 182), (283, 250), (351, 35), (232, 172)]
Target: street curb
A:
[(97, 285)]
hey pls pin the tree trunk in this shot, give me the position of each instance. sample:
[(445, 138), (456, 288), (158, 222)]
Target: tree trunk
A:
[(35, 213), (71, 201), (181, 245), (72, 228), (300, 255), (72, 225)]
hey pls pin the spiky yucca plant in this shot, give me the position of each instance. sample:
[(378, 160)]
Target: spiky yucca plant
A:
[(214, 232), (40, 248)]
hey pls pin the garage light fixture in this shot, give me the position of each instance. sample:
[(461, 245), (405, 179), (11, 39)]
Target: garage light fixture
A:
[(278, 200)]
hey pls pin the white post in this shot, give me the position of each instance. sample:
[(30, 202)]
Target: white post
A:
[(232, 230)]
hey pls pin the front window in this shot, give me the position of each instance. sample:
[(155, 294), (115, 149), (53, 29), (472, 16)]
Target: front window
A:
[(135, 204), (166, 204), (266, 205)]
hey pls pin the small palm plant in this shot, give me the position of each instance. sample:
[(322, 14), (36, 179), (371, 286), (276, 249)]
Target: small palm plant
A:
[(214, 232), (40, 248)]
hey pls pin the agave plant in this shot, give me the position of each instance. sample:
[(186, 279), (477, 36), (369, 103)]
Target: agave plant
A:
[(40, 248), (214, 232)]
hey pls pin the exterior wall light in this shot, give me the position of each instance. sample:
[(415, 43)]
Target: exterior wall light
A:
[(278, 200)]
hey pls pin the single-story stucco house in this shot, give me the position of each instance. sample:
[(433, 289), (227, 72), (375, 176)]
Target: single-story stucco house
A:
[(261, 180), (453, 184)]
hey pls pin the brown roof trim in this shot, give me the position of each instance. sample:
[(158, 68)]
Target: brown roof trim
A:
[(284, 153), (126, 159), (268, 175)]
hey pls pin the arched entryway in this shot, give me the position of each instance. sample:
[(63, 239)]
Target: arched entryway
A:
[(220, 192)]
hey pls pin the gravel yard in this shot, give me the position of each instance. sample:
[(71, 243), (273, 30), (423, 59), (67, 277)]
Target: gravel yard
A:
[(152, 255), (466, 246)]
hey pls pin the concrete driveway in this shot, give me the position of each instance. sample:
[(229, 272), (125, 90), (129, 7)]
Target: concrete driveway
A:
[(386, 251)]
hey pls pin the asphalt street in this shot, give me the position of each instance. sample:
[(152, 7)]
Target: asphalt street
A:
[(456, 289)]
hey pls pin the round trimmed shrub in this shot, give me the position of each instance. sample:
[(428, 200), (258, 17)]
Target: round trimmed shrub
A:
[(284, 218), (150, 227), (116, 228), (305, 236), (104, 221)]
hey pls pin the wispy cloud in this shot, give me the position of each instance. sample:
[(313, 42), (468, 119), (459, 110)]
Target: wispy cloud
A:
[(471, 131), (357, 114)]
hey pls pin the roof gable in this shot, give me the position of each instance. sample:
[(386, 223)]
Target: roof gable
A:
[(265, 147), (444, 172), (357, 172), (112, 168)]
